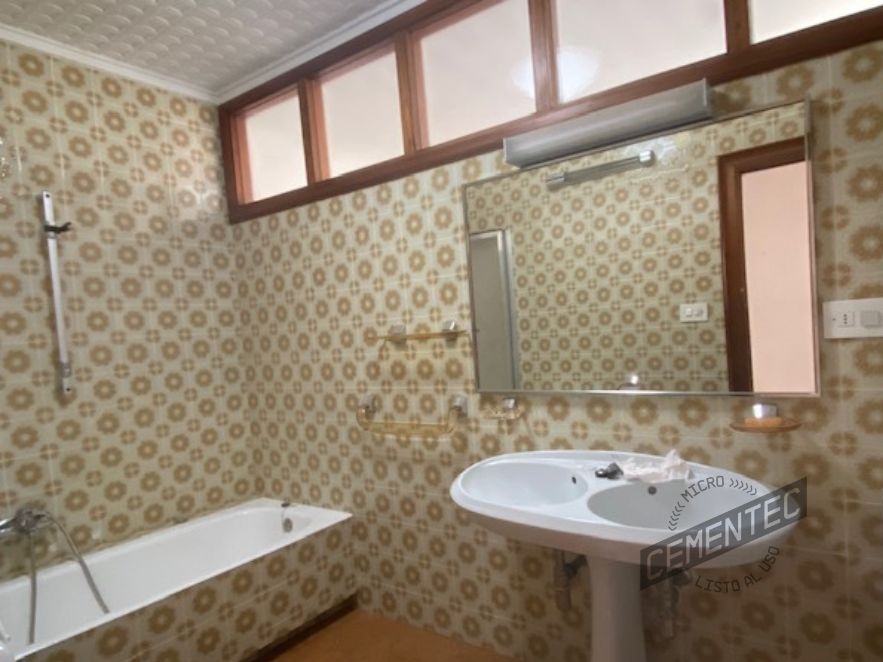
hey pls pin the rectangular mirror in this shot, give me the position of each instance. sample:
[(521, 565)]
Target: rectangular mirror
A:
[(681, 263)]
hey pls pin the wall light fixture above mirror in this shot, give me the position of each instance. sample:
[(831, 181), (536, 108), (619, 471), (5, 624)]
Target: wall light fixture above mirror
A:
[(615, 271)]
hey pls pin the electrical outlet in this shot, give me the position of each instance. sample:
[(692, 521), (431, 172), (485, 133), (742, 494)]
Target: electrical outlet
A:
[(845, 319), (691, 313)]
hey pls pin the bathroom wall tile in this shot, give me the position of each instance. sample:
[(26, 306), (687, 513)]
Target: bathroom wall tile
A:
[(28, 479), (756, 616), (865, 531), (118, 641), (859, 128), (867, 633), (105, 148), (796, 82), (857, 72), (819, 630)]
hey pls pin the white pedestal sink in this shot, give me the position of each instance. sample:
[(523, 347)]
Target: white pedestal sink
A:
[(554, 499)]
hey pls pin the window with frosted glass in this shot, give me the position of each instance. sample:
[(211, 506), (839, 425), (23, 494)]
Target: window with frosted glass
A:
[(275, 146), (774, 18), (363, 121), (602, 43), (477, 70)]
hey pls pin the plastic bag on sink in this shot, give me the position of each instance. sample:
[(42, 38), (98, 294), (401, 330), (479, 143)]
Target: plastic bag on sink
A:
[(672, 467)]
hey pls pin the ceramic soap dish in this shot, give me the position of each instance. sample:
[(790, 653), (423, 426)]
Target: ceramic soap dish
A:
[(765, 419)]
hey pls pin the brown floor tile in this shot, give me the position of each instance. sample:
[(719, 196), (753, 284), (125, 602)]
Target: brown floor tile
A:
[(363, 637)]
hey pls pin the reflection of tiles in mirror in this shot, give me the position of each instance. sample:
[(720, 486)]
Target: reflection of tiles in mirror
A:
[(600, 268)]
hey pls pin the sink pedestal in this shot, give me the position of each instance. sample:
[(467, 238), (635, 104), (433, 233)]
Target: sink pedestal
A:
[(617, 623)]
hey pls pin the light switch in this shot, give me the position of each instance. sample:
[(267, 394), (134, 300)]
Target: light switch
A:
[(853, 318), (871, 319), (693, 312)]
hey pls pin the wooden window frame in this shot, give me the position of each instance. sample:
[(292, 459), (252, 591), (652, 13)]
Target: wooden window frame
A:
[(381, 49), (731, 168), (242, 179), (741, 59), (457, 12)]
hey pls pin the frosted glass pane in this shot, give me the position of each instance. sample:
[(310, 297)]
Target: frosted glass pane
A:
[(478, 71), (773, 18), (362, 115), (275, 148), (605, 43)]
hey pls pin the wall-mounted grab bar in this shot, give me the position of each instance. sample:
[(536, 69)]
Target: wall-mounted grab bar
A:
[(52, 230), (368, 407)]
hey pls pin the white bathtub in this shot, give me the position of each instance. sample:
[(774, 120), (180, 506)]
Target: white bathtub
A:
[(145, 570)]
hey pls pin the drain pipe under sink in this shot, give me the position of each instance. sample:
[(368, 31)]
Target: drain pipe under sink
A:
[(562, 578)]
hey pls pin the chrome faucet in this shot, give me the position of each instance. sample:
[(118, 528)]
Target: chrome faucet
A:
[(25, 523), (612, 471)]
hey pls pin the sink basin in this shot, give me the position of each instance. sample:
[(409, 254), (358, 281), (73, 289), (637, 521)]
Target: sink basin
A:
[(633, 505), (524, 484), (554, 499)]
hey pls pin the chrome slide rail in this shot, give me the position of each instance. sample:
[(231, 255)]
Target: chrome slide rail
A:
[(53, 230)]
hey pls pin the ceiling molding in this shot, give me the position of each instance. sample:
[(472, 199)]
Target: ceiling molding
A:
[(110, 65), (382, 13)]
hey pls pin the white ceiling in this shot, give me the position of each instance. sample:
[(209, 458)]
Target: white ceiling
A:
[(213, 49)]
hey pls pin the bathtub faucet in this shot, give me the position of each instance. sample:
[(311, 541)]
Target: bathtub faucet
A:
[(24, 523)]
